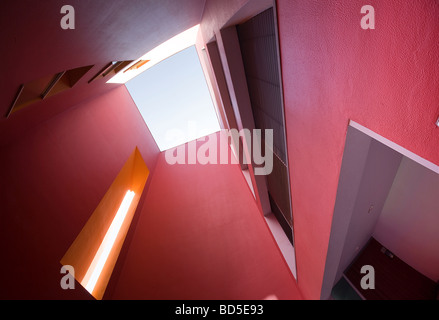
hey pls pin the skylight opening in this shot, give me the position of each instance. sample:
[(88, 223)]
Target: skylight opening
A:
[(165, 50), (174, 100)]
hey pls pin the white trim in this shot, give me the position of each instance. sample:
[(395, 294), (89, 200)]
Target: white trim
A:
[(396, 147)]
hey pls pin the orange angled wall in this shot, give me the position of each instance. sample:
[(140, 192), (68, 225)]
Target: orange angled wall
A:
[(81, 254), (51, 181), (386, 79)]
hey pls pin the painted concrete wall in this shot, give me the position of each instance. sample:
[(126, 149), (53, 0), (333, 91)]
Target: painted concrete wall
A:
[(409, 223), (51, 182), (200, 235), (385, 79), (334, 71)]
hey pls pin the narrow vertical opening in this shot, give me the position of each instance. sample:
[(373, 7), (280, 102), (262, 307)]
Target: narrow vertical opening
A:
[(94, 252)]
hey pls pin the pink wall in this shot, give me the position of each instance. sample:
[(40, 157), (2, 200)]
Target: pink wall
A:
[(52, 180), (200, 235), (386, 79)]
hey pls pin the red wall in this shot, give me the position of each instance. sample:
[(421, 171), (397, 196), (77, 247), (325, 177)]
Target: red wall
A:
[(386, 79), (52, 179), (200, 235)]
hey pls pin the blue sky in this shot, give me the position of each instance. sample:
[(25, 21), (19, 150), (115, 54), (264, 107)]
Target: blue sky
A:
[(174, 100)]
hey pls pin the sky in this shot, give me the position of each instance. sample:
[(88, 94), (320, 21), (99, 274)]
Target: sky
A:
[(174, 100)]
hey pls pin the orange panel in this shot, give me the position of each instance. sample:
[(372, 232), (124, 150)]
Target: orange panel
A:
[(81, 253)]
